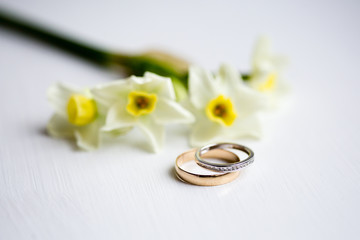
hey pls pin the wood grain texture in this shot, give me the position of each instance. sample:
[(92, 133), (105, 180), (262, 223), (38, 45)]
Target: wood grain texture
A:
[(304, 183)]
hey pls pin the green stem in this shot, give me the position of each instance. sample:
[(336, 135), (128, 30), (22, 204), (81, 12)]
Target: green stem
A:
[(246, 76), (73, 46), (157, 62)]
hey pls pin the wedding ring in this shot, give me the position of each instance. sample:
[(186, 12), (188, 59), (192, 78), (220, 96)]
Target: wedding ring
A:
[(209, 179), (223, 167)]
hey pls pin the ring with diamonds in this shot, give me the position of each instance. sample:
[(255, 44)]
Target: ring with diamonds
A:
[(224, 167), (207, 179)]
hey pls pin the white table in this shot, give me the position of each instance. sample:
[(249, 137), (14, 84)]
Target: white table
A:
[(305, 183)]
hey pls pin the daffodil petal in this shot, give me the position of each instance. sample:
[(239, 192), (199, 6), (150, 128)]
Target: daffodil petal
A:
[(171, 112), (204, 132), (202, 86), (163, 87), (230, 78), (58, 95), (153, 131), (107, 94), (58, 126), (88, 137), (282, 87), (248, 101), (116, 132), (247, 127), (264, 60), (261, 55), (118, 117)]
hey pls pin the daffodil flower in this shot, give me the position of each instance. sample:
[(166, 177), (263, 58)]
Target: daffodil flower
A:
[(145, 102), (224, 107), (267, 72), (77, 115)]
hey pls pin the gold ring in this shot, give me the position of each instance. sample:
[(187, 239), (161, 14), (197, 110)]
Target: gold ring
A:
[(208, 179)]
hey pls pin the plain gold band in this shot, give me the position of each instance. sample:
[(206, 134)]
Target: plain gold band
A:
[(206, 180)]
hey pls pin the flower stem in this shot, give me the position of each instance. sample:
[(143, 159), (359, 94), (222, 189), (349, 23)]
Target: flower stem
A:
[(156, 61), (73, 46)]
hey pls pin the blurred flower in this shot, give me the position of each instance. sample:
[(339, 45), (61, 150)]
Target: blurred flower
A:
[(146, 102), (267, 72), (77, 116), (225, 108)]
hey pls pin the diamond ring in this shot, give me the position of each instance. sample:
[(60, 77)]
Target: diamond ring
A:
[(224, 167)]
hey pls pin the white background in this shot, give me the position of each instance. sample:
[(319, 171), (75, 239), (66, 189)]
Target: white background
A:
[(305, 183)]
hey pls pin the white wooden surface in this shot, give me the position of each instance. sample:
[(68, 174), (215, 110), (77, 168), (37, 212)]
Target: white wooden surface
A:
[(305, 183)]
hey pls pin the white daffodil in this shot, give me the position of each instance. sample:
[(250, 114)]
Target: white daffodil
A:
[(146, 102), (77, 115), (267, 73), (224, 107)]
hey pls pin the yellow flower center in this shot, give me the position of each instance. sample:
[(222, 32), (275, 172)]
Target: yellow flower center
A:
[(221, 110), (268, 84), (81, 110), (141, 103)]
